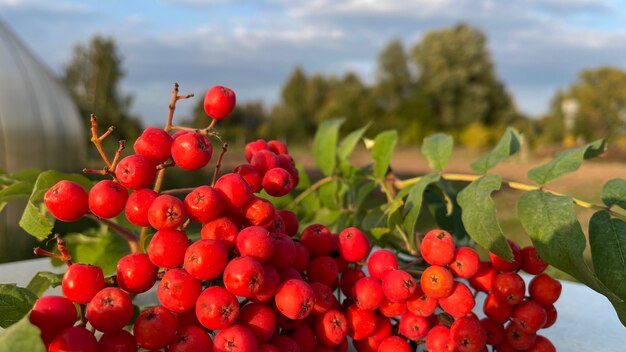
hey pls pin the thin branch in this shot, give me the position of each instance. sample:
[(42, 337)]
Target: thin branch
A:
[(310, 190), (118, 154), (64, 254), (178, 190), (218, 165), (130, 237), (97, 140)]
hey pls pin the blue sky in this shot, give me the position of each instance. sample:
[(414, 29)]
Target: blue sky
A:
[(537, 46)]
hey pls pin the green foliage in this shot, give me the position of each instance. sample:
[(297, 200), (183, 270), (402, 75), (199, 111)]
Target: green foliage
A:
[(437, 149), (607, 238), (614, 193), (479, 215), (42, 281), (325, 145), (508, 145), (22, 336), (15, 303), (566, 162), (382, 151)]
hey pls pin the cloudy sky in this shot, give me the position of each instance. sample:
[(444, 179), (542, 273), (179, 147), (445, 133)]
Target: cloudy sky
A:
[(252, 46)]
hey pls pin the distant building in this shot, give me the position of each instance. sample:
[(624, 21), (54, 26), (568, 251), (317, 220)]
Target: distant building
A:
[(39, 128)]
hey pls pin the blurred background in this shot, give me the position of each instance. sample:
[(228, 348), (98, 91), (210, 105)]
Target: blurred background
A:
[(554, 69)]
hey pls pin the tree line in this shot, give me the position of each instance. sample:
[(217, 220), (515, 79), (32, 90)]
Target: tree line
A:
[(445, 82)]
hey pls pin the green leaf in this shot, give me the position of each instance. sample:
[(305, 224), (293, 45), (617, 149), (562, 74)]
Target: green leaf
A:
[(42, 281), (379, 232), (28, 175), (480, 218), (103, 250), (607, 238), (614, 192), (22, 336), (437, 149), (325, 145), (551, 223), (566, 162), (34, 220), (384, 144), (620, 309), (328, 194), (15, 302), (19, 189), (508, 145), (374, 218), (413, 203), (349, 142)]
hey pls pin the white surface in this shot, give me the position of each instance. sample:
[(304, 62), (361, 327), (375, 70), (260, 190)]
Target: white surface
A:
[(586, 320)]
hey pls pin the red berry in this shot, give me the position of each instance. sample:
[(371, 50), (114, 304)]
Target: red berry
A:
[(290, 220), (135, 172), (353, 244), (412, 326), (381, 262), (544, 289), (394, 344), (110, 310), (256, 242), (285, 343), (532, 262), (251, 175), (155, 144), (107, 199), (206, 259), (323, 269), (277, 182), (81, 282), (253, 147), (437, 247), (518, 338), (317, 239), (295, 299), (465, 263), (203, 204), (136, 273), (167, 248), (331, 327), (437, 282), (67, 201), (75, 338), (166, 212), (264, 160), (302, 259), (496, 309), (460, 301), (438, 339), (529, 316), (52, 314), (219, 102), (361, 322), (235, 192), (284, 251), (277, 147), (191, 339), (137, 206), (484, 278), (236, 338), (542, 344), (509, 287), (368, 293), (259, 212), (191, 151), (154, 328), (398, 286), (421, 304), (118, 341), (503, 265), (348, 278), (304, 336), (260, 319), (552, 315), (271, 280), (494, 331), (216, 308), (468, 335), (178, 290), (243, 276), (221, 229), (324, 298)]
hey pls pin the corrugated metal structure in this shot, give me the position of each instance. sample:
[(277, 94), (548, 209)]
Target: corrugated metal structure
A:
[(39, 127)]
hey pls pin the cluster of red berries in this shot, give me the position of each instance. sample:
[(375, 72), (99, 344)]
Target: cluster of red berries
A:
[(255, 282)]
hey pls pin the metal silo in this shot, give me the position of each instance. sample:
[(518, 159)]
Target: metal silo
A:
[(39, 128)]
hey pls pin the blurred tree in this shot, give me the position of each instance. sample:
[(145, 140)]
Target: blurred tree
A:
[(347, 97), (290, 117), (394, 82), (92, 76), (601, 96), (456, 72)]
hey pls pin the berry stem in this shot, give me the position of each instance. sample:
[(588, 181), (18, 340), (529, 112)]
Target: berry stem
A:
[(118, 153), (130, 237), (64, 255), (218, 165), (178, 190), (97, 141), (310, 190), (143, 236)]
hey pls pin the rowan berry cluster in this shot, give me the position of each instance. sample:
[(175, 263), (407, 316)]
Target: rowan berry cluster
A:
[(255, 282)]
